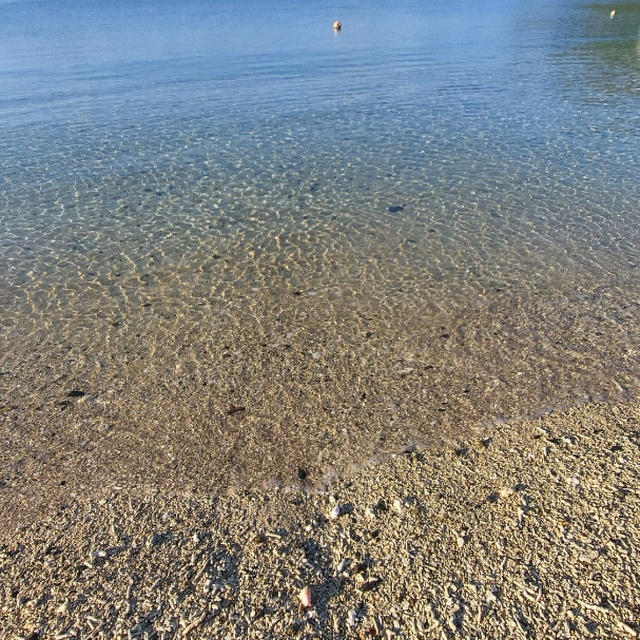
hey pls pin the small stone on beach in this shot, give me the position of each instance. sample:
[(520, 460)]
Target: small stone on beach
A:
[(305, 597)]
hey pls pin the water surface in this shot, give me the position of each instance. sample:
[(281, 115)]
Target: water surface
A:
[(235, 244)]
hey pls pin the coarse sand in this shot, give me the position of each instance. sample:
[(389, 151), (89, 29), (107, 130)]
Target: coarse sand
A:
[(527, 530)]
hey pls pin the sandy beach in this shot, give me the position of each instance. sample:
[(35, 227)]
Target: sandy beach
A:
[(525, 530), (318, 333)]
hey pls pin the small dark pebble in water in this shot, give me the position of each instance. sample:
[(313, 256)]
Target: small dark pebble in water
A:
[(302, 473), (395, 208), (368, 334), (445, 336), (76, 393), (297, 293), (233, 409)]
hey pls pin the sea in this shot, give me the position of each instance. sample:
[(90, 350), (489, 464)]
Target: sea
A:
[(241, 249)]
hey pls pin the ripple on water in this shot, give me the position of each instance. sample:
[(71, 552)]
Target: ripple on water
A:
[(216, 296)]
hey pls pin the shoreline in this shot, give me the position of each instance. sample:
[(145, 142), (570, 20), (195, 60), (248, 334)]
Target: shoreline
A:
[(530, 530)]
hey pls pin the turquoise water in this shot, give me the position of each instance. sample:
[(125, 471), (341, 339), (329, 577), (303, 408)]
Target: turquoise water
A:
[(391, 234)]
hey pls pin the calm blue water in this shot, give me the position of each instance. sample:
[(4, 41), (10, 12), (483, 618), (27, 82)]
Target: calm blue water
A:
[(207, 205)]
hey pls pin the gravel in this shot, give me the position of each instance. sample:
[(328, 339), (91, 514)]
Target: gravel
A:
[(527, 530)]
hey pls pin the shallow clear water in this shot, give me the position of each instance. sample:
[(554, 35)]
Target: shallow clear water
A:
[(256, 244)]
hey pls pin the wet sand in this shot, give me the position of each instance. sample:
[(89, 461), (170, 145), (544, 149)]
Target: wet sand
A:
[(288, 381), (527, 530)]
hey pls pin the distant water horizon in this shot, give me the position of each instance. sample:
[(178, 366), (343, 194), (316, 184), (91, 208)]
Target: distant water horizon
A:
[(235, 243)]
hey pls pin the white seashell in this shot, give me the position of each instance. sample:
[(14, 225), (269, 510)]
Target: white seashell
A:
[(334, 514), (305, 597)]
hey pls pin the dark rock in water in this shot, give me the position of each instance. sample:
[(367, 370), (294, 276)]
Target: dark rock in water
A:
[(233, 409), (76, 393), (395, 208)]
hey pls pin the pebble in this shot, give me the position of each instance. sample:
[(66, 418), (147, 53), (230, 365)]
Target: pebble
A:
[(369, 585), (98, 556), (335, 513), (305, 597)]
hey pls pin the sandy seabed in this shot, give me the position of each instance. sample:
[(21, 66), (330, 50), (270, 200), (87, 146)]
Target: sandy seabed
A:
[(527, 531)]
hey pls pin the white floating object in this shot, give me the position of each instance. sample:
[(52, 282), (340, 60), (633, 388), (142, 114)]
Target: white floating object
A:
[(612, 15), (305, 597), (334, 514), (337, 25)]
